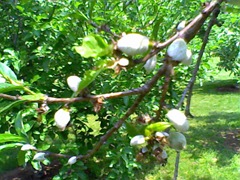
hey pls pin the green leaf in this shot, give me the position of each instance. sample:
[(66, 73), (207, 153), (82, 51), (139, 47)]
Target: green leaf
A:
[(158, 126), (94, 46), (94, 124), (35, 97), (88, 78), (7, 72), (10, 106), (11, 145), (21, 157), (6, 137), (132, 130), (6, 87), (18, 124)]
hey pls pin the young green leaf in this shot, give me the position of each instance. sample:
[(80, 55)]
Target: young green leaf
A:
[(6, 87), (4, 108), (10, 145), (94, 46), (88, 78), (158, 126), (6, 137), (7, 72)]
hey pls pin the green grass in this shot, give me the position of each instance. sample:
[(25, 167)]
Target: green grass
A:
[(207, 156)]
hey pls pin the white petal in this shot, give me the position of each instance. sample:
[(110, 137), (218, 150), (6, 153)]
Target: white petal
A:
[(188, 60), (161, 134), (177, 50), (178, 119), (39, 156), (150, 64), (177, 141), (137, 140), (62, 117), (73, 82), (27, 147), (72, 160), (123, 62), (133, 44), (181, 25)]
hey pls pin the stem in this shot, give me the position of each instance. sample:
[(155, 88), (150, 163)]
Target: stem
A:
[(176, 165), (189, 87)]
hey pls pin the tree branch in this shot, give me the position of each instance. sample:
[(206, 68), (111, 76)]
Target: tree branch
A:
[(200, 54)]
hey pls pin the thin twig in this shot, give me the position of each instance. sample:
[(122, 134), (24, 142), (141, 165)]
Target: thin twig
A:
[(165, 86), (200, 54), (176, 165)]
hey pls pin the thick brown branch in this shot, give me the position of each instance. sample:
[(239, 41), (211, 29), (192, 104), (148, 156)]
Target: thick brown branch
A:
[(188, 33)]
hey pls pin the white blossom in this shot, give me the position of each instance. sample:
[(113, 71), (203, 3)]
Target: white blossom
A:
[(177, 50), (178, 119), (150, 64), (177, 141), (161, 134), (181, 25), (133, 44), (73, 82), (188, 60), (62, 117), (137, 140), (72, 160), (123, 62), (27, 147), (39, 156)]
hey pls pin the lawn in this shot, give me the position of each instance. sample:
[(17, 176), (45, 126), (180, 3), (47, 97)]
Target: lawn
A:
[(213, 150)]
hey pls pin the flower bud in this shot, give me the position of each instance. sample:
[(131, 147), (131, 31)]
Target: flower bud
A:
[(39, 156), (181, 25), (133, 44), (62, 117), (178, 119), (144, 150), (150, 64), (188, 60), (161, 134), (137, 140), (72, 160), (177, 141), (123, 62), (177, 50), (27, 147), (73, 82)]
